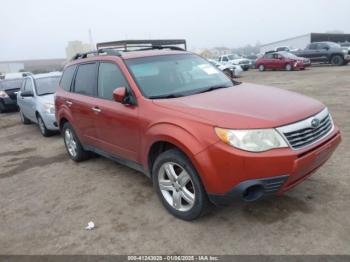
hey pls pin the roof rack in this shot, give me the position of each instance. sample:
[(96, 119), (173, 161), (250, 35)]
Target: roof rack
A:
[(104, 51), (136, 45)]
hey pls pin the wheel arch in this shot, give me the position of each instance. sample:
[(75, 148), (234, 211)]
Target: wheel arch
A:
[(162, 137)]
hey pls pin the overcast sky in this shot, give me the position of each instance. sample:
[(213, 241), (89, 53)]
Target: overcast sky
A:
[(42, 28)]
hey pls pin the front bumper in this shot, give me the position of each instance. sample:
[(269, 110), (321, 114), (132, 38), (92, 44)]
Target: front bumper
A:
[(226, 171), (8, 103), (50, 121)]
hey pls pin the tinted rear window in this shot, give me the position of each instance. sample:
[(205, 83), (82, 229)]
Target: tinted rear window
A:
[(67, 77), (85, 80), (11, 84)]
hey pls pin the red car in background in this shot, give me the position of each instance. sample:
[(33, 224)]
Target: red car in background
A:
[(282, 60)]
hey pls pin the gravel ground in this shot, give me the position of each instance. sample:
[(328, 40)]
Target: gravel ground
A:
[(46, 200)]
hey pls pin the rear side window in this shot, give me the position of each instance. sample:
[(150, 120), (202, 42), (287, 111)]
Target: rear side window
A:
[(313, 46), (109, 78), (67, 77), (85, 80)]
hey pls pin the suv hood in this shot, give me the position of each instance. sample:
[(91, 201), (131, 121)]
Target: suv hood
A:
[(245, 106), (50, 99)]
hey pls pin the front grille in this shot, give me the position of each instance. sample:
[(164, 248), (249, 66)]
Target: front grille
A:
[(308, 131)]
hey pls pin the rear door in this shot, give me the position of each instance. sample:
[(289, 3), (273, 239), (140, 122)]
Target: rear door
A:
[(322, 51), (81, 102), (279, 61), (268, 61), (314, 53), (117, 124)]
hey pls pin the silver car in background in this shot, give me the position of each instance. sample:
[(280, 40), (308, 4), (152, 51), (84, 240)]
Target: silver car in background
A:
[(36, 101)]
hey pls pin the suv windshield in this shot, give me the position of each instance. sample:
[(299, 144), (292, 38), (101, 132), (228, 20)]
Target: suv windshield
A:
[(46, 85), (176, 75), (11, 84)]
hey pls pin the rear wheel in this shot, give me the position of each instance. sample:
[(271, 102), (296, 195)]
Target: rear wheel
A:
[(261, 68), (73, 146), (24, 119), (178, 185), (337, 60), (289, 67)]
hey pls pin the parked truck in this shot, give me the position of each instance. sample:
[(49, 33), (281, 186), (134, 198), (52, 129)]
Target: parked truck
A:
[(325, 52)]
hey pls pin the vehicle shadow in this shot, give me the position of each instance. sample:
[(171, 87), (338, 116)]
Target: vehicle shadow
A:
[(266, 211)]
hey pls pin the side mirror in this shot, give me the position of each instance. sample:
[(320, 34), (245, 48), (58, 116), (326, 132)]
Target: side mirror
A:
[(119, 94), (27, 93)]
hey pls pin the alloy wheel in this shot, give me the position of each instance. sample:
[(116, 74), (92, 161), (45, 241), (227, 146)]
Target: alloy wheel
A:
[(70, 142), (176, 186), (41, 125)]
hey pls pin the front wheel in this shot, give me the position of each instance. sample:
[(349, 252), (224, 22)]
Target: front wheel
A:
[(42, 127), (178, 185)]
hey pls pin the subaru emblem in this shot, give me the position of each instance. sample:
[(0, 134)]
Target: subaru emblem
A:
[(315, 123)]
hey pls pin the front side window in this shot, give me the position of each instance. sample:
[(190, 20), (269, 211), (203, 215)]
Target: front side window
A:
[(175, 75), (28, 85), (109, 78), (85, 80), (46, 85), (67, 77)]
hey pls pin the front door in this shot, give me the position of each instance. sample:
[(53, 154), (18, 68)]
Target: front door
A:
[(117, 124), (27, 104)]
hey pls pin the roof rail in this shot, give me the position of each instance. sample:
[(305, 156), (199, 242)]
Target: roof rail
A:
[(104, 51), (133, 45)]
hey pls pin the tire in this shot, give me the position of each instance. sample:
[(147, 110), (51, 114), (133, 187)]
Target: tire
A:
[(2, 108), (191, 199), (43, 129), (261, 68), (337, 60), (289, 67), (73, 146), (24, 119)]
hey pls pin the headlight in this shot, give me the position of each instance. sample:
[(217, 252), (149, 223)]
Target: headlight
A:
[(3, 94), (253, 140), (49, 108), (345, 51)]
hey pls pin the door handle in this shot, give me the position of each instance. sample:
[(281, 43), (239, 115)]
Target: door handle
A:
[(69, 103), (96, 109)]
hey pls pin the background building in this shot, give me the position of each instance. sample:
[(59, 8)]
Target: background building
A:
[(300, 42), (75, 47), (11, 67)]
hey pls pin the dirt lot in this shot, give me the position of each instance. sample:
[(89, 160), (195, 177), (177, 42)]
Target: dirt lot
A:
[(46, 200)]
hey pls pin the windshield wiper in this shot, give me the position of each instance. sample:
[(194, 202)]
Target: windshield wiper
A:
[(165, 96), (211, 88)]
